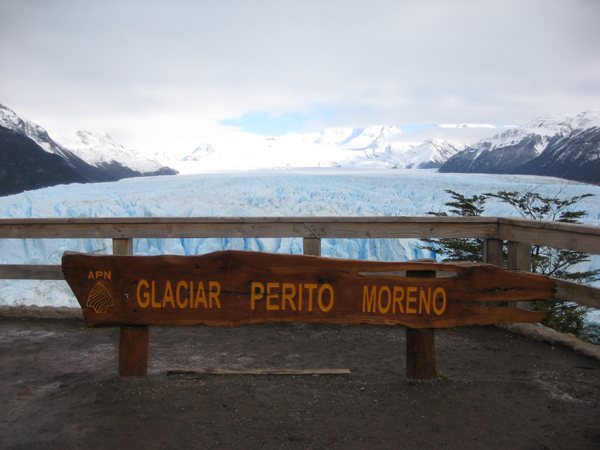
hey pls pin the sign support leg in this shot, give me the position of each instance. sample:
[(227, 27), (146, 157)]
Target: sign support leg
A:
[(420, 353), (133, 342), (133, 352), (420, 343)]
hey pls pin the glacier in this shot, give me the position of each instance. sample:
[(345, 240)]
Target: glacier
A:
[(283, 193)]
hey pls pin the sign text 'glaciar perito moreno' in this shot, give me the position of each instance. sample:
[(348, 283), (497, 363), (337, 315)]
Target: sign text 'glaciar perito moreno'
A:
[(233, 288)]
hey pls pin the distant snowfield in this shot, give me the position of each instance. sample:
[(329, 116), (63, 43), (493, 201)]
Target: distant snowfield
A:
[(373, 147), (314, 192)]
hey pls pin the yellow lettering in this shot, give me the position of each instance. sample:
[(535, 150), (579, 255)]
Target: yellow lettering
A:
[(99, 274), (200, 295), (257, 290), (145, 295), (300, 296), (389, 299), (398, 299), (330, 289), (168, 296), (369, 300), (310, 288), (181, 304), (191, 294), (288, 295), (155, 304), (409, 299), (442, 308), (271, 296), (213, 294), (425, 300)]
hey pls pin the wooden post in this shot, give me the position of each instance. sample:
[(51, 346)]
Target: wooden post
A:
[(492, 252), (420, 343), (312, 246), (133, 352), (123, 247), (420, 353), (519, 258), (133, 342)]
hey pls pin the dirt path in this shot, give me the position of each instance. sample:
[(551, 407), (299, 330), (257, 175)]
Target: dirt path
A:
[(499, 391)]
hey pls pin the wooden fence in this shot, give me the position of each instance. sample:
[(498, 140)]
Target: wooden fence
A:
[(519, 234)]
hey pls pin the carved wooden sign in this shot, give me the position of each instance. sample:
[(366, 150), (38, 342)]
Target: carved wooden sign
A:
[(231, 288)]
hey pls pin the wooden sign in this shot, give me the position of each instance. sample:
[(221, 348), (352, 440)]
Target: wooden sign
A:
[(231, 288)]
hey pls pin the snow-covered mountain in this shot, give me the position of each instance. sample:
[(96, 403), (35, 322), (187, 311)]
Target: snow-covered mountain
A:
[(24, 165), (560, 145), (93, 157), (100, 150), (373, 147), (429, 154), (10, 120)]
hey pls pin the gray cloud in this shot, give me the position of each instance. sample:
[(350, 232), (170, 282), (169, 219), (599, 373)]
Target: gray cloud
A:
[(156, 73)]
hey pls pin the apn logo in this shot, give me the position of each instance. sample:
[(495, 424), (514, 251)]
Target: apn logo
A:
[(100, 299)]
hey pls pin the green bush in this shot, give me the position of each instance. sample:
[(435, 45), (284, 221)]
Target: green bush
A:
[(562, 316)]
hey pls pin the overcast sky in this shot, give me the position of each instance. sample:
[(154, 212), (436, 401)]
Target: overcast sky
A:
[(161, 75)]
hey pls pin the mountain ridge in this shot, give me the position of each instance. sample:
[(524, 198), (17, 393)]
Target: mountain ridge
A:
[(24, 165), (102, 151), (118, 165), (558, 145)]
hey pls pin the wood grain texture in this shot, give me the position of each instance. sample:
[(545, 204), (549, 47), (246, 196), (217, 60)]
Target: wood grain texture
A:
[(232, 288), (31, 272), (311, 246), (582, 238), (553, 234), (180, 371), (133, 352), (493, 252), (123, 247), (420, 354), (519, 258), (420, 343), (578, 293), (249, 227)]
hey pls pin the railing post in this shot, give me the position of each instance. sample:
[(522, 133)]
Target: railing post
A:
[(420, 343), (312, 246), (519, 258), (493, 251), (123, 247), (133, 341)]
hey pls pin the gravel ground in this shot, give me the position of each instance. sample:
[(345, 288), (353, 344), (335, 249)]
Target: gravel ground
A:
[(60, 390)]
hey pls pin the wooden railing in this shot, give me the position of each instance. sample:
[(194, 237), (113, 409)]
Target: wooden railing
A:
[(520, 234)]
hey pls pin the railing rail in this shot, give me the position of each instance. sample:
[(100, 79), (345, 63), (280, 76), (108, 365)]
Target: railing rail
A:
[(520, 234), (554, 234)]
